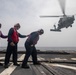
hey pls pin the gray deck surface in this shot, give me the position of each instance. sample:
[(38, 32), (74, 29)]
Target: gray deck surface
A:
[(51, 64)]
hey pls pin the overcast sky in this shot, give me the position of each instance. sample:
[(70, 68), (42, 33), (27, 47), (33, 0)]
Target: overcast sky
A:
[(27, 12)]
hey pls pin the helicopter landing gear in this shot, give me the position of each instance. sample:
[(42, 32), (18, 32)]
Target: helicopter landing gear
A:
[(70, 25), (55, 27)]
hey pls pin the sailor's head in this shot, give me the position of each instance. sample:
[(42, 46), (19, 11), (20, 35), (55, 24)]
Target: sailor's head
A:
[(41, 31), (17, 26)]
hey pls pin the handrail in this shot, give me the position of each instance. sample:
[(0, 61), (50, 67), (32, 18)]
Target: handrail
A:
[(40, 52)]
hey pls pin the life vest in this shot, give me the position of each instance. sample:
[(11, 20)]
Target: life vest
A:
[(15, 36)]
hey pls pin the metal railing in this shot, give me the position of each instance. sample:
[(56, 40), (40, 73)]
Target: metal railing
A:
[(38, 52)]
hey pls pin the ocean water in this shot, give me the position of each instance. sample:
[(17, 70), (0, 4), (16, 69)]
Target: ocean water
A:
[(46, 48), (63, 49), (56, 48)]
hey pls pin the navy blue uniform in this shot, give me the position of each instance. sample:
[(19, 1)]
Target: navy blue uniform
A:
[(30, 48)]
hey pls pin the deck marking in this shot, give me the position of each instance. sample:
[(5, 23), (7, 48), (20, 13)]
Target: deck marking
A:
[(40, 58), (58, 65), (63, 66), (58, 59), (11, 68), (73, 58), (2, 57)]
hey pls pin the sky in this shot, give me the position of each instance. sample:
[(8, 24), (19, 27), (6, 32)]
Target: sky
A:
[(28, 12)]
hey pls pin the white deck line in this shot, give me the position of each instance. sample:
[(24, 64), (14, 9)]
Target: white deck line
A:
[(63, 66), (2, 57), (59, 65), (11, 68)]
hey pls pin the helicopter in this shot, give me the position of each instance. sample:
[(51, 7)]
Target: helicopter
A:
[(65, 21)]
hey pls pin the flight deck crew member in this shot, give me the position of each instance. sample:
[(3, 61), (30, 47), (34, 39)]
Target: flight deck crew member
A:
[(13, 39), (2, 36), (31, 49)]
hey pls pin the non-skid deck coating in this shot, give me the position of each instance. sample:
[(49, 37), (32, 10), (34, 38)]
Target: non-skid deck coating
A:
[(51, 64)]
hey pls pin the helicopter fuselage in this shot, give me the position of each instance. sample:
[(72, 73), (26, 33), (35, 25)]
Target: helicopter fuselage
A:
[(65, 22)]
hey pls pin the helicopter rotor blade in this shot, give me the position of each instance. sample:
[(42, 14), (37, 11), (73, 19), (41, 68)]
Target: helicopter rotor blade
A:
[(62, 5), (51, 16)]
